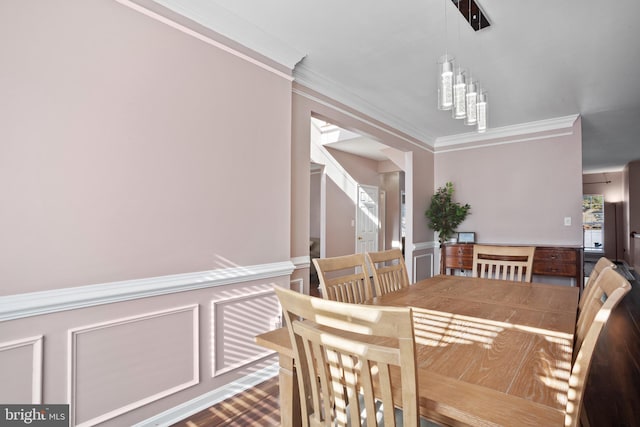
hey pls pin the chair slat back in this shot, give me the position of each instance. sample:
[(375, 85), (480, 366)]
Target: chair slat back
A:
[(389, 271), (609, 289), (597, 269), (503, 262), (600, 292), (344, 278), (348, 359)]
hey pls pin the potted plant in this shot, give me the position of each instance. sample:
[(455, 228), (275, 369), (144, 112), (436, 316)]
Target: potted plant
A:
[(444, 215)]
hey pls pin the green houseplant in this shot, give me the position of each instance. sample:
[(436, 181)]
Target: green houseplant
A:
[(444, 215)]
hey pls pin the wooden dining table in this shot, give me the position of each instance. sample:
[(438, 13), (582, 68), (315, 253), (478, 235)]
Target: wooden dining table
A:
[(488, 352)]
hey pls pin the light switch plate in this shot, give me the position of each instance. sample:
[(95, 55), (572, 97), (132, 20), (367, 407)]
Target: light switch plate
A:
[(567, 221)]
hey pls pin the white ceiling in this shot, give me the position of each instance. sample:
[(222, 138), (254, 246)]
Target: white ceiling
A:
[(538, 60)]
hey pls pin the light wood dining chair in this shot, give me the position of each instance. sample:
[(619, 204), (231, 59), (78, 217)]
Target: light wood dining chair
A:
[(348, 362), (597, 269), (607, 282), (344, 278), (609, 289), (503, 262), (389, 271)]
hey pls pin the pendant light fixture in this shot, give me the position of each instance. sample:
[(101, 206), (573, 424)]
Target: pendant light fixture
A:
[(471, 103), (482, 111), (445, 82), (445, 73), (459, 95), (456, 91)]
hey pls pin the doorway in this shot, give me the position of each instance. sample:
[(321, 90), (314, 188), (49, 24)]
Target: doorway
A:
[(593, 223), (346, 199)]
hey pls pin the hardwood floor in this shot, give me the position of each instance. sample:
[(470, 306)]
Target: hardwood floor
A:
[(256, 407), (612, 397)]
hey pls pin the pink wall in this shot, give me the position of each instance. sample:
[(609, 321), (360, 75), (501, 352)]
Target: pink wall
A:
[(135, 156), (314, 213), (597, 183), (134, 152), (423, 188), (341, 208), (392, 183), (519, 192), (363, 170)]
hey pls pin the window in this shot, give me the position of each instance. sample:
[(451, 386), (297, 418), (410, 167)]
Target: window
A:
[(593, 222)]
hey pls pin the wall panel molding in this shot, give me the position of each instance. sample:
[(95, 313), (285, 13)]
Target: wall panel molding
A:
[(45, 302), (297, 285), (235, 321), (424, 261), (36, 362), (134, 350)]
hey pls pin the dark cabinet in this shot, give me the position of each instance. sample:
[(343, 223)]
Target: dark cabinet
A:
[(558, 261)]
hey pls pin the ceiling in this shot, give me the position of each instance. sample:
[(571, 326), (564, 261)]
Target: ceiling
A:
[(538, 60)]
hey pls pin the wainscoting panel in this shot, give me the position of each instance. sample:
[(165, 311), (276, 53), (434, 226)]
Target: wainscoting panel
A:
[(21, 371), (122, 364), (236, 320), (298, 286), (422, 267)]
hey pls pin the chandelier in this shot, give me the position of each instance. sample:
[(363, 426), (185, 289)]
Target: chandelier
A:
[(458, 92)]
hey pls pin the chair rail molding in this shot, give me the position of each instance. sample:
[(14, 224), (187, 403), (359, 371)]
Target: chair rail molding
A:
[(301, 261), (421, 246), (55, 300)]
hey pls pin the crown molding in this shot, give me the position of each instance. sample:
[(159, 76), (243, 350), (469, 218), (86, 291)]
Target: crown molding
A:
[(554, 124), (226, 24), (304, 90), (213, 17), (612, 169), (317, 82)]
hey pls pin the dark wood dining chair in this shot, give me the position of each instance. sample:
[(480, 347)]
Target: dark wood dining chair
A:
[(389, 271), (608, 290), (602, 263), (344, 278), (503, 262), (349, 362)]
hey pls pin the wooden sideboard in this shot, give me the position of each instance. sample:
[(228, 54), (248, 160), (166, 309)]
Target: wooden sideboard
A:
[(556, 261)]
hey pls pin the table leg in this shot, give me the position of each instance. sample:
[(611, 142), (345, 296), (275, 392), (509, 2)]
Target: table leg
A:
[(289, 394)]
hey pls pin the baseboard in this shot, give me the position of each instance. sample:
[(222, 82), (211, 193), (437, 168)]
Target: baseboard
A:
[(206, 400)]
